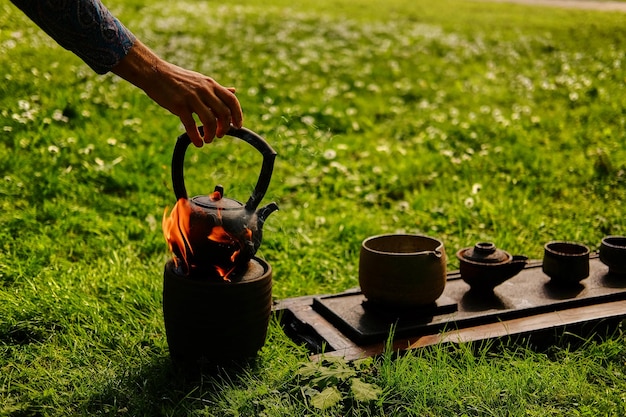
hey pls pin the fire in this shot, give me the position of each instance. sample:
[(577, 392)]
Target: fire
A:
[(176, 232), (219, 235), (224, 273), (176, 229)]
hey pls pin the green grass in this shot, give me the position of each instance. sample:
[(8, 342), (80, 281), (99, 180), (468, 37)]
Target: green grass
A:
[(462, 120)]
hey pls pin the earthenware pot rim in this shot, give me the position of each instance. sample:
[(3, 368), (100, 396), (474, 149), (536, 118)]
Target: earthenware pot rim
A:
[(549, 247), (608, 241), (437, 251)]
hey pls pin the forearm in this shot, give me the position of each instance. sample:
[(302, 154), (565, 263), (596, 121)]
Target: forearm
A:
[(141, 67), (88, 29), (183, 92), (85, 27)]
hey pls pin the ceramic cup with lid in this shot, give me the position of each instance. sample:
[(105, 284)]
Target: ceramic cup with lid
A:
[(484, 266)]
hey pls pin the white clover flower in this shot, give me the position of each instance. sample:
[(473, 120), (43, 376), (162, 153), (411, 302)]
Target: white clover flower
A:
[(383, 149), (403, 206), (58, 116), (135, 121), (87, 150), (371, 198), (469, 202), (308, 120), (339, 167), (23, 105), (320, 220), (53, 149), (476, 188), (330, 154)]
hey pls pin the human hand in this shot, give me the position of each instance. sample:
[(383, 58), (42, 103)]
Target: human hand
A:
[(183, 92)]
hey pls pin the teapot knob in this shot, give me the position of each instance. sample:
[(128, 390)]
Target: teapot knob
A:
[(485, 248)]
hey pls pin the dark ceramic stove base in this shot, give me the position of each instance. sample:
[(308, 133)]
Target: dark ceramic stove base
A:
[(346, 322)]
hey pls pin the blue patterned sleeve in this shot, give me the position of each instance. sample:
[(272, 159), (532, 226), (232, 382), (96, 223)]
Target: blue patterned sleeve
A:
[(85, 27)]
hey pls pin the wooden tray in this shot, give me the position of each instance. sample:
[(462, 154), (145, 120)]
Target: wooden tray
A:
[(527, 304)]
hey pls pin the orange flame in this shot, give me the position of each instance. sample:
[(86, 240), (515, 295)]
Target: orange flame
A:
[(176, 229), (224, 273), (219, 235), (176, 233)]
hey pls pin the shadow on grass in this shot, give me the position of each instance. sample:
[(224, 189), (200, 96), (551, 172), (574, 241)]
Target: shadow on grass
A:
[(161, 388)]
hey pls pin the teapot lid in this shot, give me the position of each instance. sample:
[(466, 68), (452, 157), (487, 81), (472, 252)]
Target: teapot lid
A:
[(216, 200), (485, 252)]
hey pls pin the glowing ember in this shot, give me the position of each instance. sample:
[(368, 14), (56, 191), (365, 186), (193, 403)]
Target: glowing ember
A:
[(216, 195)]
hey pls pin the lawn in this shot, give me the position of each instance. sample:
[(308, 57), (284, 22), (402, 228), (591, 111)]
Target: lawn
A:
[(463, 120)]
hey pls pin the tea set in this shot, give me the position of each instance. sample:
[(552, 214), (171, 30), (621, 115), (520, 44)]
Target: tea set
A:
[(402, 271)]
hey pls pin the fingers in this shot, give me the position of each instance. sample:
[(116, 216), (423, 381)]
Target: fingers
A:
[(217, 115), (215, 118), (218, 111), (232, 103), (192, 130), (210, 124), (185, 93)]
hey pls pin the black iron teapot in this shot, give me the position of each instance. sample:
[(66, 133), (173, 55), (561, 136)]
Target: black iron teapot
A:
[(224, 234)]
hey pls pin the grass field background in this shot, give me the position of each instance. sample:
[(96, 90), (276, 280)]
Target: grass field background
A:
[(462, 120)]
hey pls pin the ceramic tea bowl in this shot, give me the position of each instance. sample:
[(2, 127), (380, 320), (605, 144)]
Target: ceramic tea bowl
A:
[(613, 254), (566, 262), (402, 270)]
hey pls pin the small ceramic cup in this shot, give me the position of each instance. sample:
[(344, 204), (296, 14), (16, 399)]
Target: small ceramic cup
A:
[(566, 262), (613, 254), (402, 270)]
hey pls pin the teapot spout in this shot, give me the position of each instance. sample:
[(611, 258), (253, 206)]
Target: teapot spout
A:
[(517, 264), (264, 212)]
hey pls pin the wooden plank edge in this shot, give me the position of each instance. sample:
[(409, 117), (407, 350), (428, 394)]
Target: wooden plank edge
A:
[(557, 320)]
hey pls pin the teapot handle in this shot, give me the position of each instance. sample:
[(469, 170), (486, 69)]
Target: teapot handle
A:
[(269, 155)]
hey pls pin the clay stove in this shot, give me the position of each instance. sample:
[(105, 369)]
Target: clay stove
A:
[(217, 295)]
